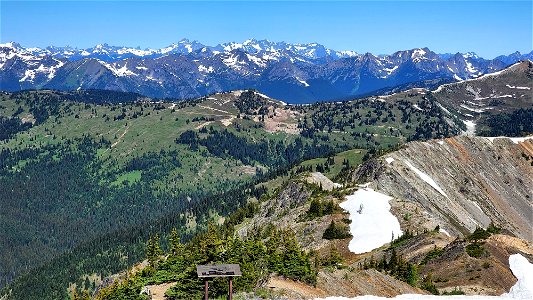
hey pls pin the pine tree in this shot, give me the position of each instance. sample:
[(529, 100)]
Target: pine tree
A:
[(176, 248), (315, 208), (412, 275), (153, 250)]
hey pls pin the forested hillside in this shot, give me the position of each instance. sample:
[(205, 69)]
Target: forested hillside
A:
[(85, 181)]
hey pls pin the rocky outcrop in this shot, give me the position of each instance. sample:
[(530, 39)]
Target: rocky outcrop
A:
[(459, 183)]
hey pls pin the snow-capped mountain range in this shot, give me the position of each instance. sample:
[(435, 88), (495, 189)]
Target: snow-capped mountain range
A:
[(295, 73)]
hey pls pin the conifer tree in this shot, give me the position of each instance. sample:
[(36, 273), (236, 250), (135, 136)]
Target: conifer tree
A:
[(153, 250)]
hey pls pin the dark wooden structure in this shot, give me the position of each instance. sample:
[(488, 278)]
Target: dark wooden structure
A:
[(211, 271)]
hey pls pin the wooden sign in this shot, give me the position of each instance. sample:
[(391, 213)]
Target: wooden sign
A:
[(229, 270)]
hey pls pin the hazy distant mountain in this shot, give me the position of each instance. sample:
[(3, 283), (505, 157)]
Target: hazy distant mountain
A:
[(293, 72)]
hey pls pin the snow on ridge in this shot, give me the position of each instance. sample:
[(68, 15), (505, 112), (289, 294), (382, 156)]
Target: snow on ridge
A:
[(302, 82), (438, 89), (518, 87), (480, 110), (426, 178), (256, 60), (372, 224), (29, 74), (515, 140), (263, 95), (119, 72), (418, 53), (495, 73)]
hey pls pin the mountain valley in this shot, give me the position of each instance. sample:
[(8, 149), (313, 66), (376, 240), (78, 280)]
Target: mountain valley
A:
[(88, 176)]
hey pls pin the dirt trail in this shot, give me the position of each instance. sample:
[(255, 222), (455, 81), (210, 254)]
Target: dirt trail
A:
[(227, 122), (296, 288), (158, 291), (215, 109), (120, 137), (203, 125)]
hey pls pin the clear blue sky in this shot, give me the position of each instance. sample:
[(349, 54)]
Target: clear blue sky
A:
[(489, 28)]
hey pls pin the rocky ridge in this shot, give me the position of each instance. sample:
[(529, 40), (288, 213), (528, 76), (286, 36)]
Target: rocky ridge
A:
[(459, 183)]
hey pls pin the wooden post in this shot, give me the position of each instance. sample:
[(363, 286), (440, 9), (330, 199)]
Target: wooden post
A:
[(230, 289), (205, 289)]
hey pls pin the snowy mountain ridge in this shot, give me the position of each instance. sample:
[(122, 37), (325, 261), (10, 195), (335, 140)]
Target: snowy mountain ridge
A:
[(297, 73)]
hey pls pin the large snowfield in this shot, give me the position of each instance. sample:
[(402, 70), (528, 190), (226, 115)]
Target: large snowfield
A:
[(373, 225)]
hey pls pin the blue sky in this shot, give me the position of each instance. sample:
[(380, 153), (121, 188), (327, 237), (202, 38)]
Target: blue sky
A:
[(488, 28)]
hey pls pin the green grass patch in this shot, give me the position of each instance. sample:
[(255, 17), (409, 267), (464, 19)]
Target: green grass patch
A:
[(128, 178)]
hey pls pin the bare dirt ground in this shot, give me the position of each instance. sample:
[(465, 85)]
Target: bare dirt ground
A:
[(295, 289), (204, 125), (250, 170), (227, 122), (281, 120), (158, 291)]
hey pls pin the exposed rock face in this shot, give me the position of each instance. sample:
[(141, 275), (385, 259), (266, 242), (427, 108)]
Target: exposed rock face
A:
[(321, 180), (460, 183)]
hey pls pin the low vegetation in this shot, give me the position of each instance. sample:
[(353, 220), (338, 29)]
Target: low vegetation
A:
[(259, 256)]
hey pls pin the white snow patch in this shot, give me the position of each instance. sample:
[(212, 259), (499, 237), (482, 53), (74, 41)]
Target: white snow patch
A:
[(389, 160), (417, 107), (523, 271), (302, 82), (470, 127), (518, 87), (373, 225), (202, 68), (256, 60), (418, 53), (389, 71), (28, 75), (337, 185), (118, 71), (426, 178), (517, 140), (470, 68), (522, 290), (443, 108), (263, 95), (440, 142), (477, 110)]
